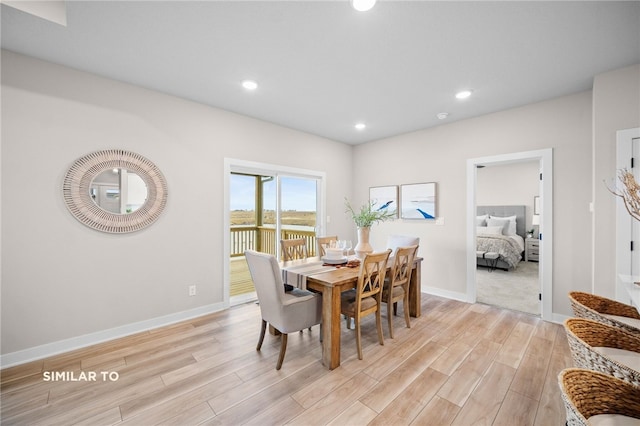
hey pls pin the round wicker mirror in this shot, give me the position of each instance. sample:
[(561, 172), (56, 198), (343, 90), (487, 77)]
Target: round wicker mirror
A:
[(77, 191)]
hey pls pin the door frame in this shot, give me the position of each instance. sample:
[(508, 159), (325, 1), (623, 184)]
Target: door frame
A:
[(257, 168), (545, 158)]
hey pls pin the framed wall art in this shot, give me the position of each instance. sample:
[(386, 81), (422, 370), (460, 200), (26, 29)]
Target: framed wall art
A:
[(418, 201), (385, 197)]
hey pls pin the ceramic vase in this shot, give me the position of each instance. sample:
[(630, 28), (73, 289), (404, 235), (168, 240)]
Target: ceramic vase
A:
[(363, 247)]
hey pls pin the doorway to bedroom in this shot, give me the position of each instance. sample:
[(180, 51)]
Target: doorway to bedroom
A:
[(543, 160), (506, 193)]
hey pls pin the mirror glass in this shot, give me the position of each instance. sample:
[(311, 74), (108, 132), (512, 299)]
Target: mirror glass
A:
[(118, 191)]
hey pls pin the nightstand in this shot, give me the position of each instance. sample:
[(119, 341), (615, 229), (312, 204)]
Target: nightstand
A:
[(531, 249)]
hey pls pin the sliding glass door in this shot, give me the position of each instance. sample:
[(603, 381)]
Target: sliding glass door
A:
[(266, 209), (265, 206), (298, 210)]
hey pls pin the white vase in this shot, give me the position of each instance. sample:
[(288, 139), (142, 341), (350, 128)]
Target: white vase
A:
[(363, 247)]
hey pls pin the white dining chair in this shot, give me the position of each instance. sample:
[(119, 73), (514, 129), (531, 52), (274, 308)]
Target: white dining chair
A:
[(395, 241), (285, 311)]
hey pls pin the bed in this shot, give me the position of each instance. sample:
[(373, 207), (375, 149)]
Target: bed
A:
[(496, 233)]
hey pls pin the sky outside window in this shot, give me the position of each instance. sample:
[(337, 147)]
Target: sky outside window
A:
[(297, 194)]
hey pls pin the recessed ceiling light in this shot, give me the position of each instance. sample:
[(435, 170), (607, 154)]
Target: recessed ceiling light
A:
[(442, 115), (360, 126), (464, 94), (363, 5), (250, 85)]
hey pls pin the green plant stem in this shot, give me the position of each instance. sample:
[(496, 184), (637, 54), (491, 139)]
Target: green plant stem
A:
[(367, 215)]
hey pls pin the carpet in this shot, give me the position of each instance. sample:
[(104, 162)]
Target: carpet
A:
[(515, 289)]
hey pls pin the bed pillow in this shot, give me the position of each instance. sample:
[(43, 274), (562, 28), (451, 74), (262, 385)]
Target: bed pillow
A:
[(502, 223), (511, 229), (482, 220), (489, 230), (512, 218)]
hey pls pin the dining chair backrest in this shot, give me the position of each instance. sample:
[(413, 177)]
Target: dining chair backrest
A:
[(395, 241), (267, 280), (322, 241), (295, 248), (402, 266), (373, 269)]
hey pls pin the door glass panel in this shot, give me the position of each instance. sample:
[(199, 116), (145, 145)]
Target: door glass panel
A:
[(243, 221), (263, 210), (299, 202), (298, 210), (242, 200)]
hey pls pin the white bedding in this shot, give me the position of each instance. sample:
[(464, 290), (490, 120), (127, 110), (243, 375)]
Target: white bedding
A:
[(508, 247), (499, 230), (518, 239)]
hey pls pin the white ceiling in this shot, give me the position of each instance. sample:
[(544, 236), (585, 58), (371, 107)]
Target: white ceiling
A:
[(322, 66)]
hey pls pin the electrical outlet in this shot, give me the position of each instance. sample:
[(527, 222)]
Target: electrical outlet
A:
[(192, 290)]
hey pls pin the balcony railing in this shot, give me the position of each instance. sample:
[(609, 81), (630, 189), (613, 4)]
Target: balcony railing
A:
[(263, 239)]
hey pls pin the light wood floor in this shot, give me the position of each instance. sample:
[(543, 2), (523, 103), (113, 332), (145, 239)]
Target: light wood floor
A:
[(459, 364)]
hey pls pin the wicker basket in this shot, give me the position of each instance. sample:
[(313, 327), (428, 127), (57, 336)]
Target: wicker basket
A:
[(584, 334), (586, 393), (593, 307)]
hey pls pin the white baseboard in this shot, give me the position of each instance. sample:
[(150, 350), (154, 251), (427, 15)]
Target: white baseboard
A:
[(462, 297), (559, 318), (61, 346), (243, 298)]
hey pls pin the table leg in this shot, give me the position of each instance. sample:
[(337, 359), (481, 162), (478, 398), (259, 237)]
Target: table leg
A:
[(415, 303), (330, 327), (331, 311)]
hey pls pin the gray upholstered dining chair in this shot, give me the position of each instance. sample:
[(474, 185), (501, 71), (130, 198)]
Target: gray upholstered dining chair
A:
[(285, 311)]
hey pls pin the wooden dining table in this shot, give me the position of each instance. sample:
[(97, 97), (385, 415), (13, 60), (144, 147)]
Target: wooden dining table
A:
[(331, 281)]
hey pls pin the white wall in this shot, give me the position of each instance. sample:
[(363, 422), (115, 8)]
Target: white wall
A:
[(440, 154), (509, 184), (61, 279), (616, 106)]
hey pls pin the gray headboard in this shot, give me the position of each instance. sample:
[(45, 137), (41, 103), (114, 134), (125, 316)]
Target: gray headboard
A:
[(502, 211)]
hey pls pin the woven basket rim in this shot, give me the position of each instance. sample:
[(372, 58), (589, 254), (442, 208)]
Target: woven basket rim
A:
[(587, 393)]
